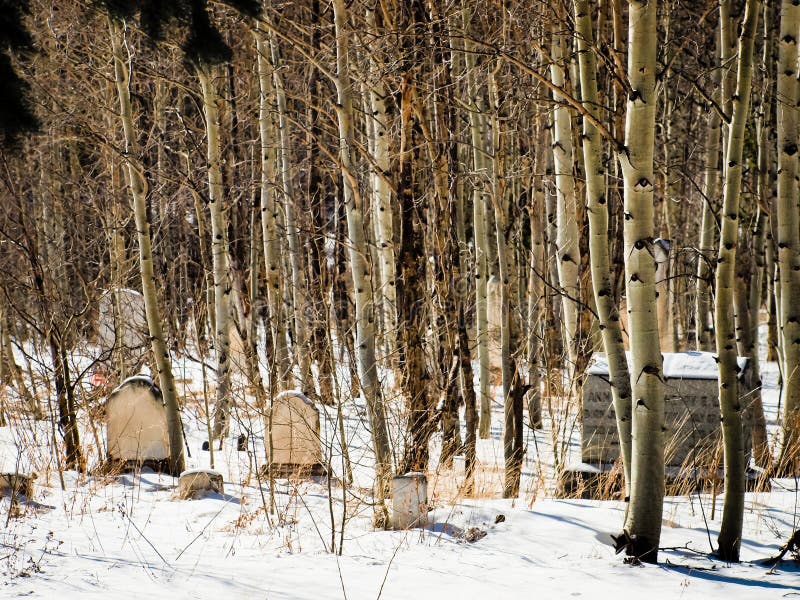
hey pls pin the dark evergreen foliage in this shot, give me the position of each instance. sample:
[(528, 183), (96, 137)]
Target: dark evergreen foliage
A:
[(203, 44), (16, 112)]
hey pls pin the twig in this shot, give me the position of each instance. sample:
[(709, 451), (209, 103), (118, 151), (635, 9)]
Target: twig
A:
[(141, 533)]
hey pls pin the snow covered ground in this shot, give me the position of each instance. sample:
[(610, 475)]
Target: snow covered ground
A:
[(130, 537)]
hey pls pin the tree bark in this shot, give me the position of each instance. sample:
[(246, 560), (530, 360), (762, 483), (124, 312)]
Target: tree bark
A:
[(788, 226), (219, 251), (643, 527), (138, 186), (568, 259), (725, 320), (358, 258), (607, 310)]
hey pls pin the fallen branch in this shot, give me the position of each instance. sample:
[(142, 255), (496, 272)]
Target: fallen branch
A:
[(793, 545)]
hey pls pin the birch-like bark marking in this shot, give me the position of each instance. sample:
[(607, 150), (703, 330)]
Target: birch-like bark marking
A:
[(382, 197), (281, 367), (568, 258), (481, 239), (219, 252), (788, 117), (300, 303), (643, 527)]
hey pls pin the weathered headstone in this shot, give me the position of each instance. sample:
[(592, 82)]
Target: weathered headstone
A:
[(136, 424), (691, 409), (494, 314), (409, 501), (296, 444), (195, 483), (122, 322)]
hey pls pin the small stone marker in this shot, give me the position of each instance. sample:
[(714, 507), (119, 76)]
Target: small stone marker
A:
[(196, 483), (16, 484), (409, 501), (296, 444), (136, 424)]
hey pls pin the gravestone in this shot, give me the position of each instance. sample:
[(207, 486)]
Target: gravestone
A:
[(122, 326), (409, 501), (136, 425), (296, 443), (494, 318), (691, 412), (196, 483)]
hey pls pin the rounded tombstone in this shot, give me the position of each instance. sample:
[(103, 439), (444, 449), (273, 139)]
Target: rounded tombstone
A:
[(295, 434), (136, 423)]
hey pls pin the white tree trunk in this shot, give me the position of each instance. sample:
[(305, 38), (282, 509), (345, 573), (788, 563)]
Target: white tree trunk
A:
[(600, 263), (219, 251), (281, 366), (481, 239), (725, 330), (643, 527), (358, 257), (568, 260), (300, 303), (789, 232), (138, 188)]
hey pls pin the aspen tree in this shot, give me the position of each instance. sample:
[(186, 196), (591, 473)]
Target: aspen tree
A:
[(299, 304), (512, 389), (708, 225), (568, 258), (535, 291), (643, 527), (481, 239), (725, 330), (138, 187), (358, 254), (382, 193), (208, 75), (281, 365), (607, 310), (762, 239), (788, 228)]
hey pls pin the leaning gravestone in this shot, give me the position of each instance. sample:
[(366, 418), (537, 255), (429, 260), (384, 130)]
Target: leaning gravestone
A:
[(136, 425), (296, 443), (691, 411)]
